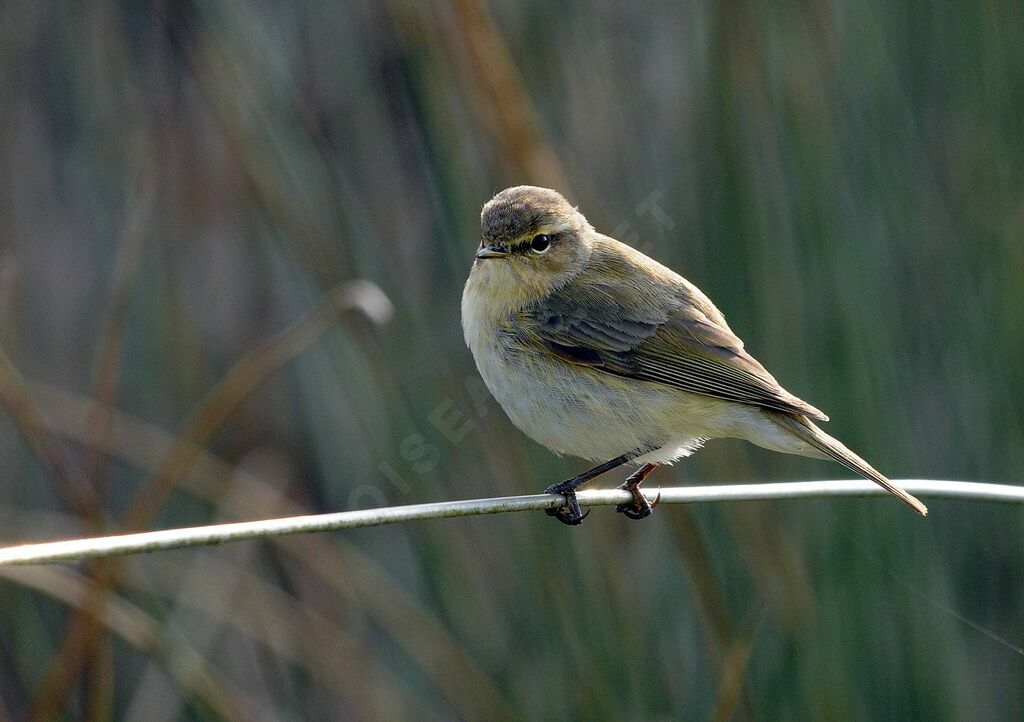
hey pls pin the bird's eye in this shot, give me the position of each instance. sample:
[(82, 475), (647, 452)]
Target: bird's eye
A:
[(540, 243)]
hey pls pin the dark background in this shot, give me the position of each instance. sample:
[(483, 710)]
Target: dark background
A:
[(184, 186)]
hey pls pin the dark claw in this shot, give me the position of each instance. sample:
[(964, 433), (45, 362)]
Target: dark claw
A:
[(634, 510), (639, 508), (571, 513), (565, 515)]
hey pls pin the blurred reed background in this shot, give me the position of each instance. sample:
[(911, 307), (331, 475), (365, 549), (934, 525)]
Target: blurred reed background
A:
[(187, 193)]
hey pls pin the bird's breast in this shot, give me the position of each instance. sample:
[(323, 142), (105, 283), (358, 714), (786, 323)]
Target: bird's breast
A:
[(574, 409)]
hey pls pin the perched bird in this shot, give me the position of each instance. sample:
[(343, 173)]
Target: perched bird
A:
[(595, 350)]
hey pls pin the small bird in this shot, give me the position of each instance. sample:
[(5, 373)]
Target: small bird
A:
[(597, 351)]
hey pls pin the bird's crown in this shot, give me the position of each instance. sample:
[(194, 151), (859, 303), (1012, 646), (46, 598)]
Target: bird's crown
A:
[(515, 213)]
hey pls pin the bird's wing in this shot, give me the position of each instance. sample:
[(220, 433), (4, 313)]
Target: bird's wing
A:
[(605, 326)]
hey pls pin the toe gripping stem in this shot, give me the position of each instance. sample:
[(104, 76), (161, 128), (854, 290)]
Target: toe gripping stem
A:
[(570, 512), (639, 508)]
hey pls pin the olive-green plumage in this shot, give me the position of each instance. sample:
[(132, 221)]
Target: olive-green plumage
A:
[(594, 349)]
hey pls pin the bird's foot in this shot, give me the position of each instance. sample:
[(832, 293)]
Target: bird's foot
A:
[(639, 508), (570, 513)]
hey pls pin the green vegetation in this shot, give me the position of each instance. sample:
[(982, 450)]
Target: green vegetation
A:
[(181, 185)]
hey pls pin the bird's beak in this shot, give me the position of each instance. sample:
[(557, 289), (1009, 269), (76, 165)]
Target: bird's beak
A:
[(491, 252)]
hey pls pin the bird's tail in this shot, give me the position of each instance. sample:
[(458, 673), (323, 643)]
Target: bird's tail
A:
[(805, 430)]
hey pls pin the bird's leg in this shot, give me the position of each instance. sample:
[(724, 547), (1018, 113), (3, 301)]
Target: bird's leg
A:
[(570, 513), (640, 508)]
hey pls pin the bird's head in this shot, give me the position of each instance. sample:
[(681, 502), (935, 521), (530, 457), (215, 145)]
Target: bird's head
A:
[(531, 241)]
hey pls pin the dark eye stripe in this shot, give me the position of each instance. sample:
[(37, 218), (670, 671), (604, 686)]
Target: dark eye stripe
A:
[(527, 246)]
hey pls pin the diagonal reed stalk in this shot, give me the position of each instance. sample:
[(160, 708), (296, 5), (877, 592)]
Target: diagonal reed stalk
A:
[(29, 419), (145, 633), (208, 418), (357, 582)]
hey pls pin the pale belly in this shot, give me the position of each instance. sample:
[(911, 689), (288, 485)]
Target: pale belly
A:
[(583, 412)]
